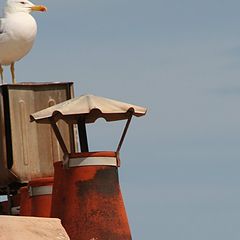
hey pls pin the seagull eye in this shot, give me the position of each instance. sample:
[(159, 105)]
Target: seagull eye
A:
[(22, 2)]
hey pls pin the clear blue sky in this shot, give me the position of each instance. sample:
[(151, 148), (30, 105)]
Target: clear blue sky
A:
[(181, 59)]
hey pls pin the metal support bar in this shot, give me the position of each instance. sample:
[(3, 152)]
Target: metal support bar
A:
[(59, 137), (124, 133), (73, 137), (82, 135)]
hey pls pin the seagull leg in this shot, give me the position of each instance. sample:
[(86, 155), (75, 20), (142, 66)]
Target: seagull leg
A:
[(1, 73), (13, 73)]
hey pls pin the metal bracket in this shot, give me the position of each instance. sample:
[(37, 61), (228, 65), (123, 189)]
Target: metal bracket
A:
[(82, 133), (124, 133), (41, 190), (59, 137), (66, 161), (93, 161)]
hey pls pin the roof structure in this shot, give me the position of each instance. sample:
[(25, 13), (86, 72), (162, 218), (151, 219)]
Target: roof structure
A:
[(90, 108)]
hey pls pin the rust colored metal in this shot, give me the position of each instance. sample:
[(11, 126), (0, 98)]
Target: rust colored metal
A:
[(36, 198), (41, 201), (86, 192), (25, 202), (93, 154), (88, 200)]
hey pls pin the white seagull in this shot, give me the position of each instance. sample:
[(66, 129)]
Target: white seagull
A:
[(18, 30)]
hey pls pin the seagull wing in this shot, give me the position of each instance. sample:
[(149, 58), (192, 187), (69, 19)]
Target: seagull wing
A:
[(3, 33)]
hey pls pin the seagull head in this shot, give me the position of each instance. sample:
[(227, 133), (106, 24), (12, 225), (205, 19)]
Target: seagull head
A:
[(25, 6)]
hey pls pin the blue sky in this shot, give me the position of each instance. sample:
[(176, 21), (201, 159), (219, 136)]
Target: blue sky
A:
[(180, 164)]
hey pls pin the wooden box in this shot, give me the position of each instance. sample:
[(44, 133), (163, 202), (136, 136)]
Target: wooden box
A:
[(28, 150)]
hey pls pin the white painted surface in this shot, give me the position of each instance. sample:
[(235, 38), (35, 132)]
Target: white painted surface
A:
[(93, 161)]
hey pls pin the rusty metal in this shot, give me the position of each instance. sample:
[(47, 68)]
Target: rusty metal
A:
[(25, 202), (86, 191), (88, 200), (36, 198)]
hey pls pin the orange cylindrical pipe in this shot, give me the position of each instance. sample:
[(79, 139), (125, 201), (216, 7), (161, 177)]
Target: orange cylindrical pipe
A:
[(88, 200), (35, 200), (25, 202), (40, 200)]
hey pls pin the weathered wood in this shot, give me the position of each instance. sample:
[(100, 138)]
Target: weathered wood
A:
[(28, 150)]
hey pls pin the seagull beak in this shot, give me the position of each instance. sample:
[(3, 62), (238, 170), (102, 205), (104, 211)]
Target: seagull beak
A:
[(39, 8)]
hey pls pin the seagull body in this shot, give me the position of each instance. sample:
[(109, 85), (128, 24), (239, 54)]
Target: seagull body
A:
[(17, 37), (18, 30)]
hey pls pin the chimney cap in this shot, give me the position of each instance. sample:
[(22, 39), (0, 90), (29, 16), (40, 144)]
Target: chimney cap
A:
[(89, 108)]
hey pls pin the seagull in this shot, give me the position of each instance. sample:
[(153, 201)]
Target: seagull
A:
[(18, 30)]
